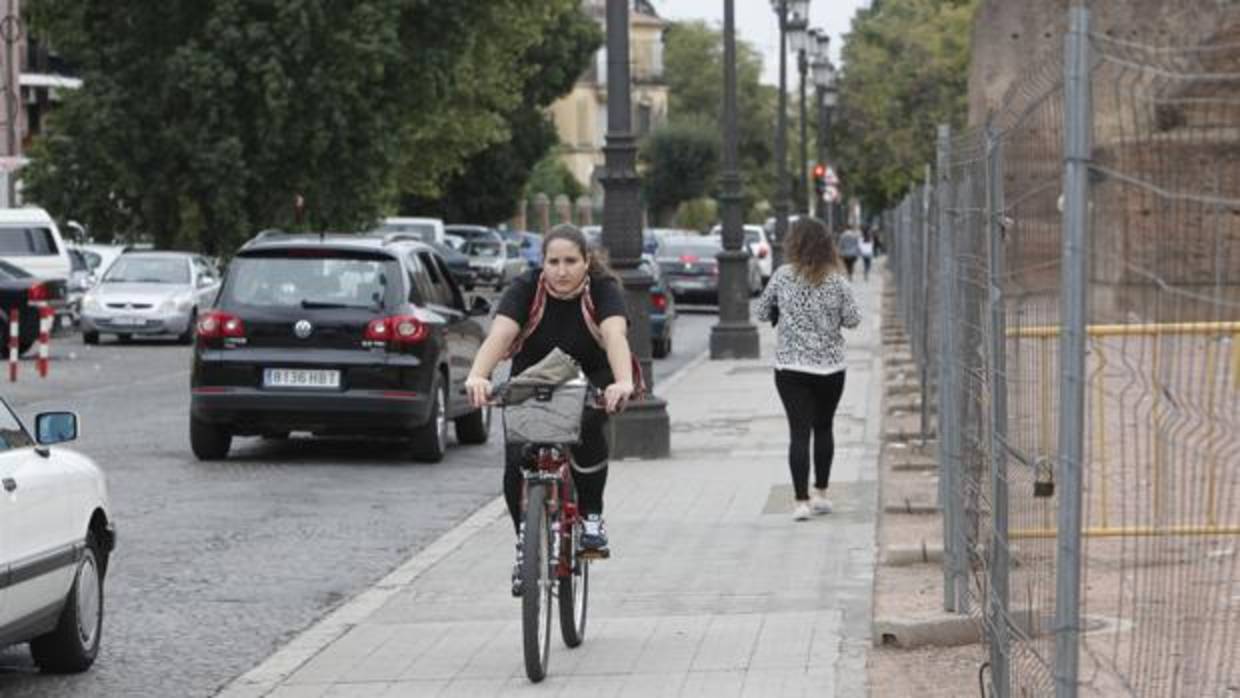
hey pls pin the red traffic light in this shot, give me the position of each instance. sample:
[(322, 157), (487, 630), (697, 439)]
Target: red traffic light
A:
[(820, 170)]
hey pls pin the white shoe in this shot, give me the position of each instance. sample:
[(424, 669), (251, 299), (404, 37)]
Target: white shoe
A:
[(820, 504), (801, 511)]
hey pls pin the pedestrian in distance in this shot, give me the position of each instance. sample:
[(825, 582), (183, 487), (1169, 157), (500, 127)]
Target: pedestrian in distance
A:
[(866, 248), (850, 249), (810, 302), (573, 302)]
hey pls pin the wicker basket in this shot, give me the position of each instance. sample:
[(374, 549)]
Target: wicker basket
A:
[(544, 414)]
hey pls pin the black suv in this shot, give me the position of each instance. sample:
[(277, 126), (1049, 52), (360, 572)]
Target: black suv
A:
[(336, 334)]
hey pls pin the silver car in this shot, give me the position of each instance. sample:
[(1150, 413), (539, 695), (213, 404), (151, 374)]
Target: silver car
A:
[(150, 293), (495, 261)]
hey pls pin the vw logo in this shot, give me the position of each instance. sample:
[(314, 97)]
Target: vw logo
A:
[(302, 329)]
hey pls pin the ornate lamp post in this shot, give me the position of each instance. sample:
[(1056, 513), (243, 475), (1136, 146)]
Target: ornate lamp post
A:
[(733, 337), (643, 430), (824, 80), (800, 40), (790, 13)]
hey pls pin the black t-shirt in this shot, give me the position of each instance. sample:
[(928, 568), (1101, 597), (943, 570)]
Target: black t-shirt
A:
[(563, 325)]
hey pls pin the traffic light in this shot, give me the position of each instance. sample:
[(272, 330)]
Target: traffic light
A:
[(820, 178)]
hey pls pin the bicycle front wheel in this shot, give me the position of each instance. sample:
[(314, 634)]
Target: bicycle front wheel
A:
[(574, 589), (536, 584)]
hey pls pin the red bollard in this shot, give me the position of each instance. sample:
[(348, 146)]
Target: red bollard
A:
[(46, 317), (14, 328)]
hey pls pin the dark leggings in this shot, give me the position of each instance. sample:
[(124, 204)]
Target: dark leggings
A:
[(589, 454), (810, 401)]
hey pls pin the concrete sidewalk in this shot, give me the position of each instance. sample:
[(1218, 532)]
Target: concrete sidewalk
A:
[(712, 588)]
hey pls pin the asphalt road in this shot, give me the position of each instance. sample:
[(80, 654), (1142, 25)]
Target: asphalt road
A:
[(219, 564)]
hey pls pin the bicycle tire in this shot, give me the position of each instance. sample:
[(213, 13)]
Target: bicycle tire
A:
[(536, 585), (575, 588)]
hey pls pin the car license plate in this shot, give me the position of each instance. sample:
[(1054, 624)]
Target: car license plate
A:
[(300, 378), (128, 321)]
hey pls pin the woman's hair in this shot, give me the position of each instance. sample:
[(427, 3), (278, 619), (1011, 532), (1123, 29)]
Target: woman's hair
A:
[(596, 259), (811, 250)]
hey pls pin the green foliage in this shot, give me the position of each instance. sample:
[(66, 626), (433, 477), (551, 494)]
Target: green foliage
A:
[(681, 161), (486, 190), (552, 177), (905, 71), (697, 214), (202, 121), (693, 68)]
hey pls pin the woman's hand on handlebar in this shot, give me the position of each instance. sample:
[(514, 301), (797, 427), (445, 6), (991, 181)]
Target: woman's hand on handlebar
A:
[(616, 395), (479, 390)]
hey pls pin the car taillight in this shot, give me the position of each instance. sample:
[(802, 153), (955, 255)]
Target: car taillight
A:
[(218, 324), (39, 292), (763, 251), (659, 301), (396, 328)]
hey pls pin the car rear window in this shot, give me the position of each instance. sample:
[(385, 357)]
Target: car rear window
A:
[(483, 248), (312, 282), (702, 250), (27, 242), (148, 270), (424, 231)]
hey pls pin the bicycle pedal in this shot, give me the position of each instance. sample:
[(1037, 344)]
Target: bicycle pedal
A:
[(594, 554)]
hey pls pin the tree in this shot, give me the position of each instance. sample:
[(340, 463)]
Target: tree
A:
[(486, 190), (693, 68), (905, 71), (200, 122), (681, 161)]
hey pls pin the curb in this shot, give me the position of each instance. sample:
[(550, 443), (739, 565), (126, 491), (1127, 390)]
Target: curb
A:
[(306, 644)]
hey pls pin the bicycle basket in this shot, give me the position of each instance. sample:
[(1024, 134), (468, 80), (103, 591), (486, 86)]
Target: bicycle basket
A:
[(544, 414)]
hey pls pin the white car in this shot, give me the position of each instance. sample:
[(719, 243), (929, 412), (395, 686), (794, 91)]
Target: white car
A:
[(424, 229), (56, 535), (759, 246)]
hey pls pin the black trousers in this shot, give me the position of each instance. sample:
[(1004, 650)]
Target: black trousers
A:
[(589, 467), (849, 264), (810, 401)]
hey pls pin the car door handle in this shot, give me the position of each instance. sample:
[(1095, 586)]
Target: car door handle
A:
[(9, 484)]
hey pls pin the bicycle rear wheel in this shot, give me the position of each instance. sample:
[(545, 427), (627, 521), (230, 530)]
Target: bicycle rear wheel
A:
[(574, 589), (536, 584)]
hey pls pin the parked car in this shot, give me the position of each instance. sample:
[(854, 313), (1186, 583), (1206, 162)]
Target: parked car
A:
[(58, 535), (759, 245), (30, 239), (458, 265), (425, 229), (531, 248), (150, 294), (495, 261), (100, 257), (336, 334), (662, 310), (689, 263), (473, 232), (21, 290)]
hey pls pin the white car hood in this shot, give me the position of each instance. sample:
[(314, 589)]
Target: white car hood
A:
[(138, 293)]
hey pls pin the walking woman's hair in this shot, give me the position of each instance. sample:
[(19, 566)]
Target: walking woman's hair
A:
[(811, 250), (595, 258)]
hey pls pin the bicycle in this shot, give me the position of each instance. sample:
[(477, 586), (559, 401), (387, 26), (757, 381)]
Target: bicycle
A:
[(546, 420)]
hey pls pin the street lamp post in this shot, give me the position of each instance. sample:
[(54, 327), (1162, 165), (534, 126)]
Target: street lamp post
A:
[(790, 14), (733, 337), (824, 80), (643, 430), (800, 39)]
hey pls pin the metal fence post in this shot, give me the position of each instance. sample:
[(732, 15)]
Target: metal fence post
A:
[(1000, 558), (1075, 263), (948, 487), (924, 330)]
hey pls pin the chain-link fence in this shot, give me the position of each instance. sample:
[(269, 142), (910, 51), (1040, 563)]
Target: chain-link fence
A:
[(1068, 281)]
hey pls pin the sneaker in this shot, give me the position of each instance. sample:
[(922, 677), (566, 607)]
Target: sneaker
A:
[(517, 587), (819, 503), (801, 511), (593, 533)]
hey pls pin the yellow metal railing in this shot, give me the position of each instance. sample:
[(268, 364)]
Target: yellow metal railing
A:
[(1048, 333)]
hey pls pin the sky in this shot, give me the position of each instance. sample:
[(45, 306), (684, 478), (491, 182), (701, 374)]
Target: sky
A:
[(756, 24)]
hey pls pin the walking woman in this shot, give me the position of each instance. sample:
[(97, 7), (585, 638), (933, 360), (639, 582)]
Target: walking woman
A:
[(810, 301), (573, 302)]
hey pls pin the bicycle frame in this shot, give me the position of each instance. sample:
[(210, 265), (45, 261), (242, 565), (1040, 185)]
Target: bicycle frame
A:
[(551, 465)]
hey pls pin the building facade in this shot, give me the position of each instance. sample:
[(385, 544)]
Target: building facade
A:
[(581, 116)]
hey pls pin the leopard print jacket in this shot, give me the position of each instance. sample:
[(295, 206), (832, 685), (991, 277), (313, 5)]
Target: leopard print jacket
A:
[(808, 337)]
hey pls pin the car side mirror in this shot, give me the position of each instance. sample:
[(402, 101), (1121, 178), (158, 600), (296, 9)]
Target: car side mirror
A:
[(480, 306), (55, 427)]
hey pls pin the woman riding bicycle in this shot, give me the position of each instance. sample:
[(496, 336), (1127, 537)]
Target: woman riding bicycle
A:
[(573, 302)]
